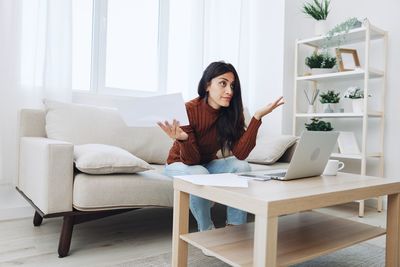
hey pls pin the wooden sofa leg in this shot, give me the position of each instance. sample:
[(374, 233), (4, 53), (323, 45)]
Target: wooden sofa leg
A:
[(37, 219), (66, 235)]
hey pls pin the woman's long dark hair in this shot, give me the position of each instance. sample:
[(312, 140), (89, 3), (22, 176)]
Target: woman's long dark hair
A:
[(230, 123)]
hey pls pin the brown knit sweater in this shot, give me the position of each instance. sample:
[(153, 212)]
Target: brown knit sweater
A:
[(201, 147)]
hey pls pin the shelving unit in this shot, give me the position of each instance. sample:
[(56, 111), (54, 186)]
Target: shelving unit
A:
[(359, 36)]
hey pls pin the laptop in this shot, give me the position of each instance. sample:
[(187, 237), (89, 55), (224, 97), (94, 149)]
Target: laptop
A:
[(309, 158)]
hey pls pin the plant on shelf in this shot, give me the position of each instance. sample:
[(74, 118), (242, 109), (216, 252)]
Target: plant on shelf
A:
[(354, 92), (318, 125), (328, 99), (341, 31), (317, 10), (320, 62)]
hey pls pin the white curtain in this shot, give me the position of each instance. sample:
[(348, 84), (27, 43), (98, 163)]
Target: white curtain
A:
[(35, 63)]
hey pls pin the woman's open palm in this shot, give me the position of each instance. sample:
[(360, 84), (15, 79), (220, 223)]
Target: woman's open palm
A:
[(269, 108), (173, 130)]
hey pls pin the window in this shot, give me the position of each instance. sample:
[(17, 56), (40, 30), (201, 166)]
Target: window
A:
[(81, 43), (119, 47), (147, 47)]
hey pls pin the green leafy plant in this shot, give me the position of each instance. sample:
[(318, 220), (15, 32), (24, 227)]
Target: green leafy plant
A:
[(318, 10), (329, 97), (354, 92), (341, 31), (320, 60), (318, 125)]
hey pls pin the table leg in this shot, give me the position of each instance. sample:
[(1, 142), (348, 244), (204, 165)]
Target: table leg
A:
[(393, 231), (180, 226), (265, 241)]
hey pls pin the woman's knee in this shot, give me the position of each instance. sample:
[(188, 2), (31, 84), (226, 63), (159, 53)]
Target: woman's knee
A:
[(239, 165), (179, 168)]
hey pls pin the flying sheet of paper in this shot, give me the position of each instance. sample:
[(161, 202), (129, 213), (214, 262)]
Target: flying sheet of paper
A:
[(220, 179), (147, 111)]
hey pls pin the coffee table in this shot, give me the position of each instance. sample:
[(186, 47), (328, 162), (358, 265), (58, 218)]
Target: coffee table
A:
[(286, 230)]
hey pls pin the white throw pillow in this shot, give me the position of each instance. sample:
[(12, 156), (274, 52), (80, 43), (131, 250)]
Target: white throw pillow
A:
[(105, 159), (269, 149), (85, 124)]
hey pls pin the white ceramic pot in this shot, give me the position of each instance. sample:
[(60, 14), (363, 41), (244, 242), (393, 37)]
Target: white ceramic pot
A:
[(329, 107), (321, 27), (358, 105), (316, 71)]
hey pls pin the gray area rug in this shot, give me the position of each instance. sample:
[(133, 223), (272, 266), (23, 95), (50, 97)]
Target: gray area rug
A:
[(362, 255)]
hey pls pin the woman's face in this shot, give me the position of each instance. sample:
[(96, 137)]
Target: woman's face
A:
[(220, 90)]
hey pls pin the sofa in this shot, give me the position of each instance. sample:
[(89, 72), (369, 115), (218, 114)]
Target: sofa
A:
[(64, 169)]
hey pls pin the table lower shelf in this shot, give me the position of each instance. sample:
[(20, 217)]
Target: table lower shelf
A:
[(301, 236)]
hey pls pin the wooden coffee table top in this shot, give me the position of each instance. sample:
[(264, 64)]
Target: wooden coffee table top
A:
[(284, 197)]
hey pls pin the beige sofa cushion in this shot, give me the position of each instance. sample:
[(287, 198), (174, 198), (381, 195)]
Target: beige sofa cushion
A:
[(106, 159), (113, 191), (84, 124)]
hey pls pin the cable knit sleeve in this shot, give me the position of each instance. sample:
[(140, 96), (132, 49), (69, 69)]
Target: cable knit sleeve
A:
[(189, 150), (246, 143)]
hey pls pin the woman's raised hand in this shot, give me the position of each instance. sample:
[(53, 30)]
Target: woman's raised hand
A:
[(173, 130), (269, 108)]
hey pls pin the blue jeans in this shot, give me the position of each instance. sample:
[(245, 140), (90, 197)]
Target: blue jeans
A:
[(201, 207)]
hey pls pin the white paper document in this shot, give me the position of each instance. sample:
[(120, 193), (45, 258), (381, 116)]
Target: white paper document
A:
[(147, 111), (220, 179)]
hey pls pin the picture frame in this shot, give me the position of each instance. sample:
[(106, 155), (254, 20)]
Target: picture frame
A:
[(347, 143), (347, 59)]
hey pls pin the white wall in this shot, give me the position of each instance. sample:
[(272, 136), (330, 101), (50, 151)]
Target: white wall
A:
[(383, 14)]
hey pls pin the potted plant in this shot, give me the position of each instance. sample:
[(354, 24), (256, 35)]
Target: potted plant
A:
[(318, 125), (341, 30), (328, 99), (320, 63), (319, 11), (356, 94)]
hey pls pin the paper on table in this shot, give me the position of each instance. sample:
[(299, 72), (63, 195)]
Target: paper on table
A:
[(147, 111), (220, 179)]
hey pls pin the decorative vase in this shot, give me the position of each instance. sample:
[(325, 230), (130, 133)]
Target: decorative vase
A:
[(321, 27), (358, 105), (329, 107), (311, 109)]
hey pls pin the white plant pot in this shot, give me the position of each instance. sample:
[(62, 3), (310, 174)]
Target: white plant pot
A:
[(329, 107), (358, 105), (321, 27), (316, 71)]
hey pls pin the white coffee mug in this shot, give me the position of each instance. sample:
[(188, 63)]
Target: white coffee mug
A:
[(333, 166)]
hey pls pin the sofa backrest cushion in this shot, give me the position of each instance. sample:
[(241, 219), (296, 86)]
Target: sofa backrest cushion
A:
[(84, 124)]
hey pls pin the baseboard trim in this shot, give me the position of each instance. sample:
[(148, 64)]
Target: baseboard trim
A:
[(14, 213), (12, 205)]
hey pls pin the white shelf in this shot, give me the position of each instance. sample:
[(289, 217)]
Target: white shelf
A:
[(355, 156), (363, 35), (344, 75), (353, 36), (338, 115)]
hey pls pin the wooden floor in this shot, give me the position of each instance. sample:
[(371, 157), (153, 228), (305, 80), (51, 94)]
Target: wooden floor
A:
[(116, 239)]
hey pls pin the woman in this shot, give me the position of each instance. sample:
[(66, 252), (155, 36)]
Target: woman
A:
[(216, 122)]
